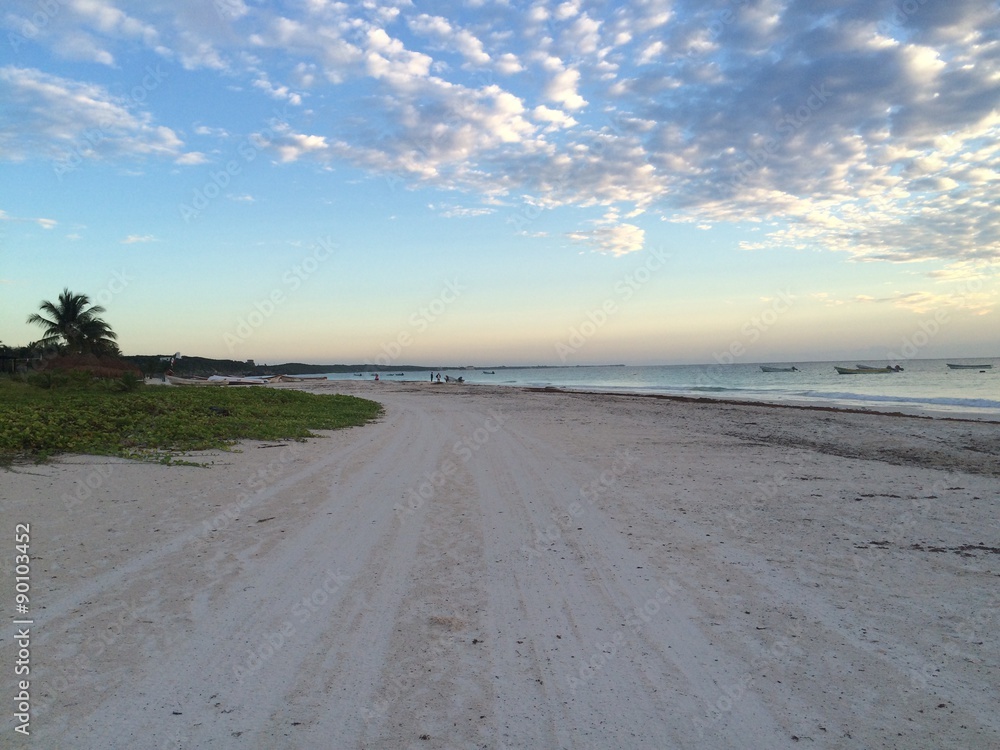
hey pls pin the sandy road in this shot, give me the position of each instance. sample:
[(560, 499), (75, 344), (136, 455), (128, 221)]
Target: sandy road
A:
[(516, 570)]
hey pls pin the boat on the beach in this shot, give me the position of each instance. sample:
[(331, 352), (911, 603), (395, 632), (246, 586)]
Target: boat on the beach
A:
[(294, 378), (862, 370), (214, 380), (176, 380), (969, 367), (768, 368)]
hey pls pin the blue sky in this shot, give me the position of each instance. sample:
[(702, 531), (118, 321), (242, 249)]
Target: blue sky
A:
[(506, 182)]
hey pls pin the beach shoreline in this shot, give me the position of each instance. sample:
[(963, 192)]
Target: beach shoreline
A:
[(775, 404), (503, 567)]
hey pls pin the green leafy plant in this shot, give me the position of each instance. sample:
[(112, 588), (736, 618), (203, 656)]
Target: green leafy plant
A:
[(150, 423), (128, 382)]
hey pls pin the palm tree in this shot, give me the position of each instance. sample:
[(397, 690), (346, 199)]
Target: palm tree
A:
[(73, 320)]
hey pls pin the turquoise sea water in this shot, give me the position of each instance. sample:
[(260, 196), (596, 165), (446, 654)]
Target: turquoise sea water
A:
[(925, 386)]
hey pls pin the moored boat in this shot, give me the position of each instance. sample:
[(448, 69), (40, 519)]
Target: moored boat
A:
[(969, 367), (769, 368), (862, 370)]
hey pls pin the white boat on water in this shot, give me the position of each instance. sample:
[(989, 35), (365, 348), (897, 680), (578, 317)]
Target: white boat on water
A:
[(969, 367), (863, 370), (769, 368)]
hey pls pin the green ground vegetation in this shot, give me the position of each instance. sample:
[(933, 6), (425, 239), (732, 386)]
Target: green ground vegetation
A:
[(42, 417)]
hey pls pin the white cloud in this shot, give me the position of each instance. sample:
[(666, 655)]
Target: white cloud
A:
[(71, 121), (138, 238), (294, 146), (845, 128), (209, 131), (562, 89), (444, 34), (191, 158), (617, 239), (508, 64), (450, 211), (567, 10), (276, 92), (652, 52), (554, 118), (976, 301)]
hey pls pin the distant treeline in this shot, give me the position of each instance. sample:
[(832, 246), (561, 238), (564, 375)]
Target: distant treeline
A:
[(155, 364), (183, 366)]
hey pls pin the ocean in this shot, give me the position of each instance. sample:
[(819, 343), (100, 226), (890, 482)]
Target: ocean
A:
[(926, 386)]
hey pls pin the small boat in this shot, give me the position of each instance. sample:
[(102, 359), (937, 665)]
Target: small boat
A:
[(489, 372), (235, 380), (215, 380), (970, 367), (863, 370), (894, 368), (294, 378), (175, 380), (768, 368)]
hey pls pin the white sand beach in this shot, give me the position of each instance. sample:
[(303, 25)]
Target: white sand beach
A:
[(501, 568)]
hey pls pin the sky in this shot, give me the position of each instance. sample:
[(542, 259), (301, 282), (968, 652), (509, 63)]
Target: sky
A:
[(487, 183)]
